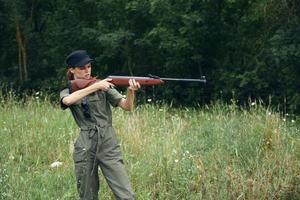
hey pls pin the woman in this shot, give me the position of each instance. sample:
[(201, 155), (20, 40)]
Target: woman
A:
[(97, 144)]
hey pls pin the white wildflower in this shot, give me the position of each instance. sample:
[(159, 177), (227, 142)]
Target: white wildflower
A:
[(253, 104), (149, 100), (293, 121), (11, 157), (284, 119), (56, 164), (176, 160)]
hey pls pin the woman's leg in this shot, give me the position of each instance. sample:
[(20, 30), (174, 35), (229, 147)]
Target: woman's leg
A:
[(112, 166), (86, 167)]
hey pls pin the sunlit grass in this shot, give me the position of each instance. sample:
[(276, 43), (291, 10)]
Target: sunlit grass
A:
[(216, 152)]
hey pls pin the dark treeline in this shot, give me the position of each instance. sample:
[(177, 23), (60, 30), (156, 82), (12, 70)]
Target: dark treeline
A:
[(247, 49)]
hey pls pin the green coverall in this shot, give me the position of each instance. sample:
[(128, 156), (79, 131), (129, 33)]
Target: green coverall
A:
[(97, 145)]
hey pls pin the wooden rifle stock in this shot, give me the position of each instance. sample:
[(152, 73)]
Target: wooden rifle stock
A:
[(78, 84)]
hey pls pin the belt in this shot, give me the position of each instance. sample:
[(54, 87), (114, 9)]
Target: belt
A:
[(94, 129)]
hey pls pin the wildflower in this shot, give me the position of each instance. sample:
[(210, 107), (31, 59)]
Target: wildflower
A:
[(37, 93), (176, 160), (284, 119), (253, 104), (269, 113), (56, 164), (293, 121), (149, 100), (11, 157)]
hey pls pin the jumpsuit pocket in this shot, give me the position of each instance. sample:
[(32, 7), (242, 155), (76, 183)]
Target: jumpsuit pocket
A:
[(97, 96), (82, 146), (97, 102), (80, 152)]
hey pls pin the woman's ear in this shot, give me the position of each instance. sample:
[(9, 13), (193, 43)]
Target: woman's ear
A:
[(70, 74), (72, 70)]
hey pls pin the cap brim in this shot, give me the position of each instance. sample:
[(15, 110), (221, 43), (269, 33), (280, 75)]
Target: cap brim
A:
[(83, 62)]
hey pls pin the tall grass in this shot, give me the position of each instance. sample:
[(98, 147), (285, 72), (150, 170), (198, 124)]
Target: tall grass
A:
[(217, 152)]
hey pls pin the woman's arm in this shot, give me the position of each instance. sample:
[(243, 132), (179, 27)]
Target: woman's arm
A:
[(79, 94), (127, 104)]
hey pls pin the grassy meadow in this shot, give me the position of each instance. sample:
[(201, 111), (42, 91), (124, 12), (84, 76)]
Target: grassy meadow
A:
[(216, 152)]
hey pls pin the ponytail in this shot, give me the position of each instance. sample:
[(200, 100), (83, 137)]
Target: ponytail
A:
[(70, 75)]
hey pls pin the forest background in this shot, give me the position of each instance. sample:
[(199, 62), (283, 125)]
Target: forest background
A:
[(247, 49)]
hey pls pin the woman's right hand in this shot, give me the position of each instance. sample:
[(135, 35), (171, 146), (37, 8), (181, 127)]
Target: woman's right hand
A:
[(104, 84)]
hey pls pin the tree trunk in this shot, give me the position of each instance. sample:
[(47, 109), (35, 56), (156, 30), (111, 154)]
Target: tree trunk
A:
[(22, 55), (128, 62), (20, 64)]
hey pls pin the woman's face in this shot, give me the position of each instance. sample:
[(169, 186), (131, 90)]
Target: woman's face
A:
[(82, 72)]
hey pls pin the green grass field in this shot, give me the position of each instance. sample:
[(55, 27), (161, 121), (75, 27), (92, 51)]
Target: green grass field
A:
[(216, 152)]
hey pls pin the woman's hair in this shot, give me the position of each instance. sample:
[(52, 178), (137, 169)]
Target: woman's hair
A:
[(70, 75)]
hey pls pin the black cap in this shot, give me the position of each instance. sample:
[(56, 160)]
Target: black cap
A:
[(78, 58)]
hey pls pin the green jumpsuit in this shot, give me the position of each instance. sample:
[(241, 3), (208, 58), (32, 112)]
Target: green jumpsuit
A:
[(97, 145)]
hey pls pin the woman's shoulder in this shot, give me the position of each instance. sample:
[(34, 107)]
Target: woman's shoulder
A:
[(64, 92)]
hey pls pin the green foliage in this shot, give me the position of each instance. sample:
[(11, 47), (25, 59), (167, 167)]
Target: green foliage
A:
[(249, 48)]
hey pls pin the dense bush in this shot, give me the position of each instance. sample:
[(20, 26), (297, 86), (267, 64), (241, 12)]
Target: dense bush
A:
[(247, 49)]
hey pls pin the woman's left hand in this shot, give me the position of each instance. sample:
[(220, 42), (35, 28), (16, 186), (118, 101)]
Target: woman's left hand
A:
[(134, 85)]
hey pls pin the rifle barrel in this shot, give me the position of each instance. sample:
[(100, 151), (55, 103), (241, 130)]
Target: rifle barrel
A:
[(203, 80)]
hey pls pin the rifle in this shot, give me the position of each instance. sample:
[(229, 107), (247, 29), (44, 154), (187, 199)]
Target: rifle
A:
[(78, 84)]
